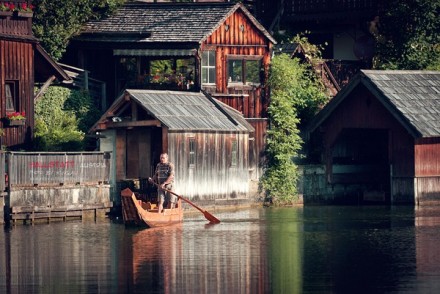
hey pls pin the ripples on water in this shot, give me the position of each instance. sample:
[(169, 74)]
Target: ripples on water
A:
[(271, 250)]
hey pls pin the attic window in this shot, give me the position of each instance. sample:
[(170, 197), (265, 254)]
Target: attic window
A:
[(11, 90)]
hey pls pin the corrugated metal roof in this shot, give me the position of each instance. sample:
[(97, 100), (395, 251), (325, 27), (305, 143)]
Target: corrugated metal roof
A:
[(415, 94), (183, 111), (164, 22)]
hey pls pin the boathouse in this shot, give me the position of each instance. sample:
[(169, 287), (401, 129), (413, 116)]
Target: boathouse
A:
[(378, 141), (207, 141), (217, 47)]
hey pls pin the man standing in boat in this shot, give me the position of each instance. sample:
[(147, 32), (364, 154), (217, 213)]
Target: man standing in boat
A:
[(164, 177)]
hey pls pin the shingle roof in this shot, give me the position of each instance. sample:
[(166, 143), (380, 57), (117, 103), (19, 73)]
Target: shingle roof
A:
[(186, 111), (412, 97), (164, 22), (415, 94)]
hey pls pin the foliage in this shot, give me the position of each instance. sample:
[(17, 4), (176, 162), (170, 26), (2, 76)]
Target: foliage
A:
[(410, 38), (55, 22), (62, 116), (294, 90)]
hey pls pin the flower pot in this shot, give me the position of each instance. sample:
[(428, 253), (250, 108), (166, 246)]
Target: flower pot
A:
[(15, 122), (5, 13), (24, 14)]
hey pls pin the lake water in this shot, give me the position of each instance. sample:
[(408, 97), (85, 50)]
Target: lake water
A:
[(261, 250)]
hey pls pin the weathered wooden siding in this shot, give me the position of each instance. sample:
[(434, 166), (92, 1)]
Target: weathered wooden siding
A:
[(427, 171), (17, 64), (238, 36), (212, 174), (57, 185), (59, 168)]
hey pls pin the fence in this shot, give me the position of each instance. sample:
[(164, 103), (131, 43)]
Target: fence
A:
[(51, 185), (47, 168)]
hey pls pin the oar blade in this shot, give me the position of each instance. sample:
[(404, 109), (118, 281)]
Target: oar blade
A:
[(212, 219)]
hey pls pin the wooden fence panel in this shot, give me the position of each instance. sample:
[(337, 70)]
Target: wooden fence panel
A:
[(57, 168)]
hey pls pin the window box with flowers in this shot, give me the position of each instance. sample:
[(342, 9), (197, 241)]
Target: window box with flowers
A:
[(14, 119), (24, 10), (6, 9)]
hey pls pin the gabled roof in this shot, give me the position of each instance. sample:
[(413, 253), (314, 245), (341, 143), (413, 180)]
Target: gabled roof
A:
[(182, 111), (45, 66), (164, 22), (412, 97)]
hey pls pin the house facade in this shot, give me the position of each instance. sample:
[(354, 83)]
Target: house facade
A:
[(219, 48), (23, 63), (378, 141), (207, 141)]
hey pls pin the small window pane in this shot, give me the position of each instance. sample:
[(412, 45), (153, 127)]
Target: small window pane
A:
[(10, 97), (205, 58), (204, 75), (211, 58), (253, 72), (192, 151), (211, 76), (235, 71), (234, 153)]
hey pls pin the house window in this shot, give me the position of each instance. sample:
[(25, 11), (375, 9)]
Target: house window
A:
[(244, 70), (11, 90), (192, 152), (208, 67), (234, 153)]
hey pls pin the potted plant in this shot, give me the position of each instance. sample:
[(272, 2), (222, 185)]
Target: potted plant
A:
[(15, 118)]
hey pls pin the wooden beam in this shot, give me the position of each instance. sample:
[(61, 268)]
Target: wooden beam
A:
[(140, 123)]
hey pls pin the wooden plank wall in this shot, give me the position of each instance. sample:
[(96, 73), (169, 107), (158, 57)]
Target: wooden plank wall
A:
[(57, 168), (238, 36), (17, 60), (212, 174)]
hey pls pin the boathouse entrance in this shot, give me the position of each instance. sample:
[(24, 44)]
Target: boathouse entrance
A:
[(359, 165)]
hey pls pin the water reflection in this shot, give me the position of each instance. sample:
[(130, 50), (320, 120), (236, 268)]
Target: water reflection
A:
[(276, 250)]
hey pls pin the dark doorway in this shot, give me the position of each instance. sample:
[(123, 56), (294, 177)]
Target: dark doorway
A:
[(360, 162)]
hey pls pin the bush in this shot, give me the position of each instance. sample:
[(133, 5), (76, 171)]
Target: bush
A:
[(62, 117)]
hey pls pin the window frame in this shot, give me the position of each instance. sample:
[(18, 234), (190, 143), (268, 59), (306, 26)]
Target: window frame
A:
[(234, 152), (192, 152), (244, 59), (13, 100), (208, 67)]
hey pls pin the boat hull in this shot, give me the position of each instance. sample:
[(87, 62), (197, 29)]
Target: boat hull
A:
[(137, 212)]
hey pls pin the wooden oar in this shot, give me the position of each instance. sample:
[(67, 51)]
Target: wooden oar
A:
[(208, 216)]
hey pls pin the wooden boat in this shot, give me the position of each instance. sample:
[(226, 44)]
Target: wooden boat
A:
[(138, 212)]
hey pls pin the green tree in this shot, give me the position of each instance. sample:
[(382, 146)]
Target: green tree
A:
[(294, 90), (62, 117), (55, 22), (409, 35)]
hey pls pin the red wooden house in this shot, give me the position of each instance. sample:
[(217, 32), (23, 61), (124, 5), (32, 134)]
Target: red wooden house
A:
[(23, 63), (217, 47), (378, 140)]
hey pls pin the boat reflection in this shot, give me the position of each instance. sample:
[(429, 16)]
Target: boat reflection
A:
[(196, 258)]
